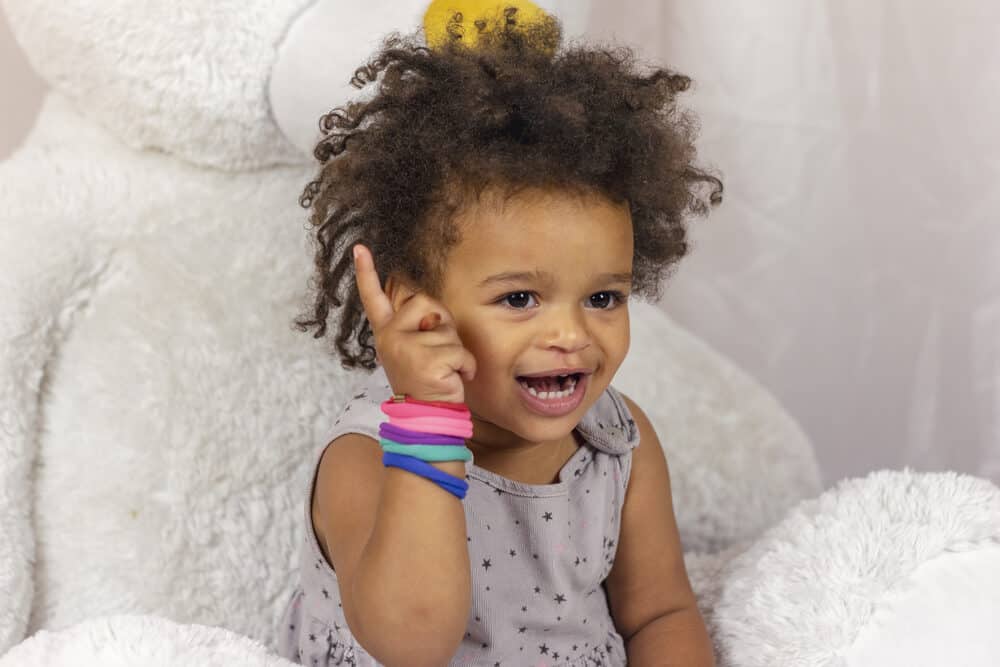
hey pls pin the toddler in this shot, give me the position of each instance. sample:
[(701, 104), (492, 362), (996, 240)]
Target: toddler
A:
[(487, 497)]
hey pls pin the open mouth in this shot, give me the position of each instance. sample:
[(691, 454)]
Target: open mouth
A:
[(554, 396), (551, 388)]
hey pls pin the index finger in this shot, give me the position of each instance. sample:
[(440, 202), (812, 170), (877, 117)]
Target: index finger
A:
[(377, 306)]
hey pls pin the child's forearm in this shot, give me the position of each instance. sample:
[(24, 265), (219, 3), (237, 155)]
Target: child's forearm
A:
[(412, 589), (679, 639)]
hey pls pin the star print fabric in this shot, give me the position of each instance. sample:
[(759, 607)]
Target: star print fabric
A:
[(539, 552)]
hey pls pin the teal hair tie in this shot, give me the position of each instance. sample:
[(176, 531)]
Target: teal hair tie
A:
[(428, 452)]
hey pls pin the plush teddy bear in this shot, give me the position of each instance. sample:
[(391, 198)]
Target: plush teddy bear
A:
[(157, 408)]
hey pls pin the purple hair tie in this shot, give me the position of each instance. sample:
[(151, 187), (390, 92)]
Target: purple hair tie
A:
[(406, 436)]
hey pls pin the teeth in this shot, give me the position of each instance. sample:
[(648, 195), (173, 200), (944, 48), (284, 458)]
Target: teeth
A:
[(548, 395)]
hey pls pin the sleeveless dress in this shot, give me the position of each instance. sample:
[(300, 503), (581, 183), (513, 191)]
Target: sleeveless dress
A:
[(539, 554)]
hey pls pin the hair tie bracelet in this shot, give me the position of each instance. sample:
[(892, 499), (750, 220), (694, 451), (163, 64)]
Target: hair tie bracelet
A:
[(461, 428), (422, 431), (448, 405), (450, 483), (428, 452), (412, 409), (400, 434), (419, 416)]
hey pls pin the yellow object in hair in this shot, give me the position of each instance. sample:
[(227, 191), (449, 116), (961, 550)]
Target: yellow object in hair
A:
[(463, 20)]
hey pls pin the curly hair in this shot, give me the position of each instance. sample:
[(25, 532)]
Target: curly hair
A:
[(510, 113)]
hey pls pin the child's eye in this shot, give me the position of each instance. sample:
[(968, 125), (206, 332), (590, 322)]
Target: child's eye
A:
[(518, 296), (617, 298)]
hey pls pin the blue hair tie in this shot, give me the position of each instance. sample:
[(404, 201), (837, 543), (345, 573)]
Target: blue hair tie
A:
[(450, 483)]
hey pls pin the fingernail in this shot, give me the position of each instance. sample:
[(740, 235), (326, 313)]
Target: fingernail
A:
[(355, 250)]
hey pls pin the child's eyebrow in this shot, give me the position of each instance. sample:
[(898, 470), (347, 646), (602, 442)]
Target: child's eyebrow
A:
[(547, 278)]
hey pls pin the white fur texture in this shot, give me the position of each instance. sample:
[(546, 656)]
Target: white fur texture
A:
[(922, 623), (154, 380), (128, 641), (804, 591), (186, 78)]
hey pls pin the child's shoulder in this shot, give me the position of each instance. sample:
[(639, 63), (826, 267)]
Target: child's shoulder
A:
[(360, 409), (631, 413), (609, 424)]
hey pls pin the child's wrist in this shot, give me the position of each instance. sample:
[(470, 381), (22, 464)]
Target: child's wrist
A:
[(427, 438)]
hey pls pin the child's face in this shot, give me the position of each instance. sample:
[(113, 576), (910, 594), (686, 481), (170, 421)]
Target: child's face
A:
[(529, 325)]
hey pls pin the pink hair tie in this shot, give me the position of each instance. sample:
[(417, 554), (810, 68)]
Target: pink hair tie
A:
[(407, 410), (457, 427)]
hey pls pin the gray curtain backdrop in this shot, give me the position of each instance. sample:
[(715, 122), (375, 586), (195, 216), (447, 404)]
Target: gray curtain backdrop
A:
[(854, 266)]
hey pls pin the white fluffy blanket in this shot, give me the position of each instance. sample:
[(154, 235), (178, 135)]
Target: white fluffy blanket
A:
[(130, 640)]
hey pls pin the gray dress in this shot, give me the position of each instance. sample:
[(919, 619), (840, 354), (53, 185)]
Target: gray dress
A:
[(539, 554)]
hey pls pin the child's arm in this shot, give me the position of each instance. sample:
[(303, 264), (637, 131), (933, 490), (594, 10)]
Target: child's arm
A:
[(399, 539), (398, 545), (677, 639), (651, 599)]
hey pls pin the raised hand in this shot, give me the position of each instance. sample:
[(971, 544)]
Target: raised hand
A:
[(418, 344)]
